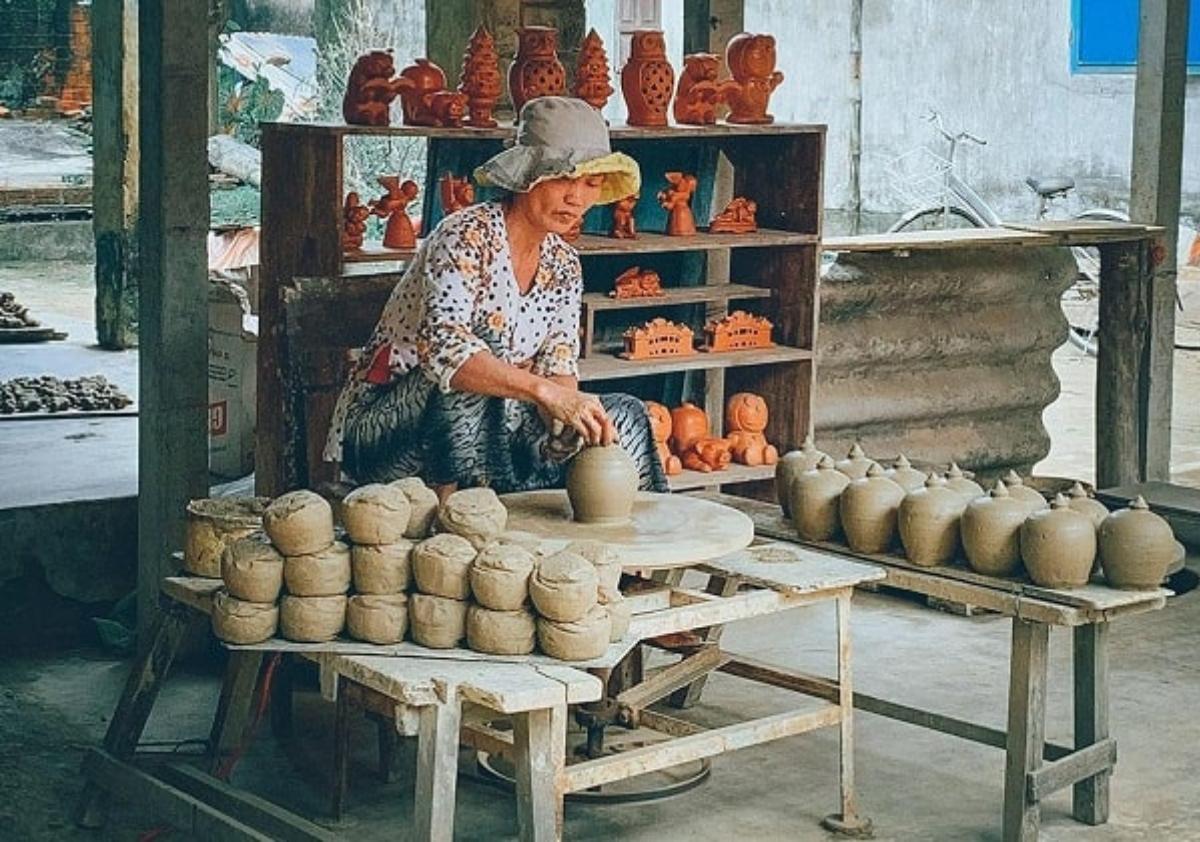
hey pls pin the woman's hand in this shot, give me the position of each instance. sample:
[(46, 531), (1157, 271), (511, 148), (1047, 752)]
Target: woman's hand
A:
[(578, 410)]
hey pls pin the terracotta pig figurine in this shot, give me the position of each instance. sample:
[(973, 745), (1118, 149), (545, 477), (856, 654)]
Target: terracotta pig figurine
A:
[(698, 450), (372, 86), (677, 201), (660, 428), (745, 421)]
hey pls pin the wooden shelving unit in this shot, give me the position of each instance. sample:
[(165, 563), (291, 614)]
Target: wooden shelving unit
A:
[(776, 269)]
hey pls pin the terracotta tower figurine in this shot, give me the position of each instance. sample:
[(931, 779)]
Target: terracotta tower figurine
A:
[(751, 61), (391, 206), (699, 92), (591, 72), (623, 227), (480, 79), (647, 79), (677, 200), (536, 71)]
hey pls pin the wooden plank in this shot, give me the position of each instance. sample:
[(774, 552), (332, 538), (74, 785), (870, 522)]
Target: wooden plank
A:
[(640, 761), (735, 473), (1082, 232), (609, 367), (723, 586), (437, 772), (1098, 758), (195, 592), (665, 724), (667, 680), (374, 252), (1090, 798), (786, 567), (648, 242), (904, 241), (673, 296), (234, 706), (1026, 728), (617, 131), (540, 739), (845, 702)]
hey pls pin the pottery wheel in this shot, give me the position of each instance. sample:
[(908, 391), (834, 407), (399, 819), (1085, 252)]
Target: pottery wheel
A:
[(665, 530)]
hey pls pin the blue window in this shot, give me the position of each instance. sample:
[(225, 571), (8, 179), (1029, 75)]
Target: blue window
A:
[(1104, 36)]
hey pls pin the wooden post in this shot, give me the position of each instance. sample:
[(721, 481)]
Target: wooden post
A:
[(1158, 120), (115, 169), (1090, 796), (173, 272), (539, 737), (1026, 728), (234, 706), (437, 769)]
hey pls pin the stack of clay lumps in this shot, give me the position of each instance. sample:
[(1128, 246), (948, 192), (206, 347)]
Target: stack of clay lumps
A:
[(571, 624), (213, 523), (316, 567)]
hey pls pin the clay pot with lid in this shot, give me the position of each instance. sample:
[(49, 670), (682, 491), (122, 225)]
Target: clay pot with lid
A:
[(1058, 546), (928, 523), (1018, 489), (791, 465), (1136, 547), (956, 480), (813, 498), (991, 532), (647, 79), (856, 464), (602, 484), (905, 475), (868, 508), (1078, 499)]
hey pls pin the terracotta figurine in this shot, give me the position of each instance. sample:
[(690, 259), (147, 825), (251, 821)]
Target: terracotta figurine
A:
[(699, 92), (372, 86), (647, 79), (591, 72), (677, 201), (660, 428), (751, 62), (708, 454), (536, 70), (698, 450), (427, 102), (636, 283), (623, 227), (745, 420), (456, 193), (392, 206), (354, 222), (657, 338), (739, 331), (737, 218), (480, 79)]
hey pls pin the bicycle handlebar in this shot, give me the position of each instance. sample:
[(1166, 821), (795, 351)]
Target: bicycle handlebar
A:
[(935, 117)]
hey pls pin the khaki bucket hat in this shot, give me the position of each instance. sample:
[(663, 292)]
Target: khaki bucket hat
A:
[(561, 137)]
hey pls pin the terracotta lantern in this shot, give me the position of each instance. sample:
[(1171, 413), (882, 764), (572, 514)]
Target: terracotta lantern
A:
[(536, 70), (372, 86), (392, 206), (677, 201), (647, 79), (480, 79), (699, 92), (751, 61), (591, 72)]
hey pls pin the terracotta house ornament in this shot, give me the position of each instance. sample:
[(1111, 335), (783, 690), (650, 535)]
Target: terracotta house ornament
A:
[(354, 222), (392, 206), (635, 282), (676, 200), (427, 102), (456, 193), (698, 93), (372, 86), (536, 70), (660, 428), (657, 338), (623, 227), (739, 331), (647, 79), (480, 80), (592, 72), (751, 62), (745, 420), (737, 218)]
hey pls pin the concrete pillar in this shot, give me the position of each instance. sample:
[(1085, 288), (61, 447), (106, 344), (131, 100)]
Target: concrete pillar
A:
[(173, 325), (115, 169)]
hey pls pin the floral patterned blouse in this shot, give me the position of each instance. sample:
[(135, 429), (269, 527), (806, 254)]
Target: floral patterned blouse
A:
[(460, 296)]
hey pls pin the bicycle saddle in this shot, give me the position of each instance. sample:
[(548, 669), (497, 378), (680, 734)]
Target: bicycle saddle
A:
[(1050, 186)]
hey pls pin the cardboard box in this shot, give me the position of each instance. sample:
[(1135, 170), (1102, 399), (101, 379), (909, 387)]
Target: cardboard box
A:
[(232, 366)]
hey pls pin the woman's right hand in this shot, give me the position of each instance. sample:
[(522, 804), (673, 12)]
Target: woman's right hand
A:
[(578, 410)]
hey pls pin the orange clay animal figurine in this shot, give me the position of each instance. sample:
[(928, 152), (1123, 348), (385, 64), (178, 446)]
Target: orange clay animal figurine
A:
[(745, 421), (372, 86), (623, 227), (677, 201), (354, 222), (660, 428)]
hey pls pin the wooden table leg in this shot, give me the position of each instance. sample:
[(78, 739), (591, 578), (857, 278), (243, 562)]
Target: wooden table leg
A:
[(686, 697), (1090, 796), (234, 707), (281, 698), (1026, 728), (540, 741), (137, 699), (848, 822), (341, 755), (437, 770)]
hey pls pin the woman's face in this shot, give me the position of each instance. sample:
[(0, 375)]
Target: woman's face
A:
[(557, 204)]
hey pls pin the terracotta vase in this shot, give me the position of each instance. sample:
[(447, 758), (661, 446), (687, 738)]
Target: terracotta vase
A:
[(602, 483), (791, 465), (536, 70), (956, 480), (1136, 547), (425, 79), (814, 501), (905, 475), (928, 523), (868, 509), (647, 79), (480, 79), (1018, 489), (1058, 546), (1079, 500), (688, 424), (751, 62), (991, 532), (856, 464)]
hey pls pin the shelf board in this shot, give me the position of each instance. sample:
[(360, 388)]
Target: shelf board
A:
[(734, 473), (702, 241), (506, 131), (677, 295), (609, 366), (376, 253)]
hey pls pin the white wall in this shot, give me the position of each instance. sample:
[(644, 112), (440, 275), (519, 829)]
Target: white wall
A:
[(602, 16)]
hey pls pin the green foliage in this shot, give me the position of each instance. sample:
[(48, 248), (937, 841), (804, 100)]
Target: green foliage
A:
[(239, 205), (243, 104)]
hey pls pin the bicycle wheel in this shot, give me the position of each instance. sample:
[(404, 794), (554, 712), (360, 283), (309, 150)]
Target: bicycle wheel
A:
[(931, 219)]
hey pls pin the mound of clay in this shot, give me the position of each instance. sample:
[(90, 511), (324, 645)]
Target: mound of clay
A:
[(242, 623), (252, 569), (474, 513), (377, 618), (299, 523), (376, 514), (581, 640), (501, 632), (423, 503), (563, 587), (323, 573), (441, 566), (381, 569), (312, 619), (500, 576), (437, 622)]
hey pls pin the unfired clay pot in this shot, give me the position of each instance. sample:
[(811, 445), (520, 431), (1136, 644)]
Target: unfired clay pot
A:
[(437, 622), (299, 523), (579, 640), (1058, 545), (474, 513), (382, 569), (868, 509), (991, 532), (312, 619), (956, 480), (856, 463), (813, 499), (500, 576), (1020, 491), (1136, 547), (242, 623), (252, 569), (602, 484), (376, 514), (563, 587), (604, 558), (324, 573), (441, 566), (929, 523), (214, 522), (501, 632), (423, 506), (377, 618), (1079, 500), (647, 79), (905, 475), (791, 465)]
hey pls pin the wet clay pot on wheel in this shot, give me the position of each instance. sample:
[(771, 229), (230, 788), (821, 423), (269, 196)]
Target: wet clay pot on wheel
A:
[(602, 483), (905, 475), (1078, 499), (1020, 491), (1136, 547), (856, 464), (929, 523), (813, 499), (1058, 545), (869, 507), (956, 480), (791, 465), (991, 532)]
